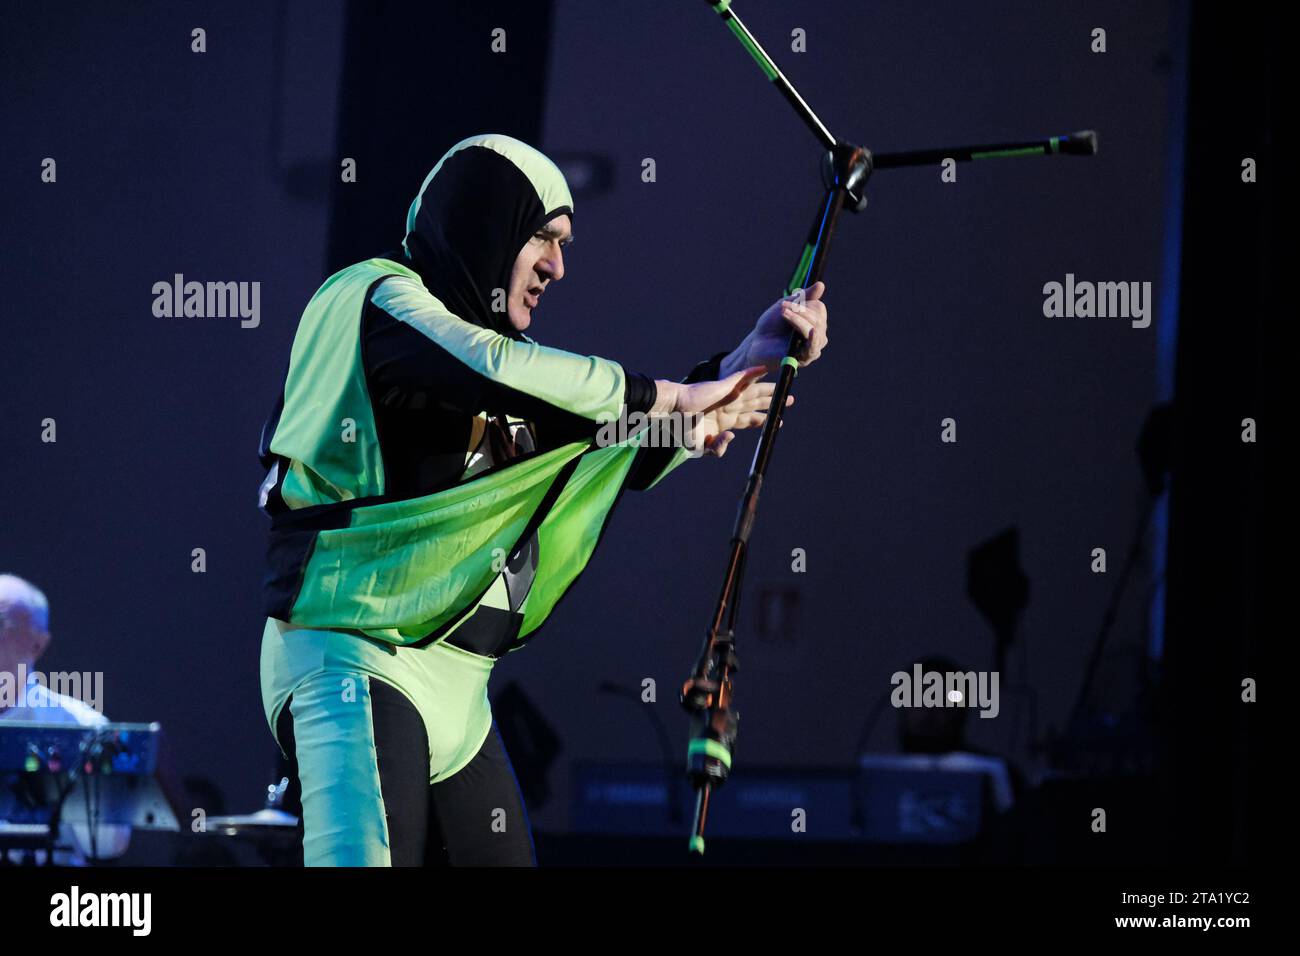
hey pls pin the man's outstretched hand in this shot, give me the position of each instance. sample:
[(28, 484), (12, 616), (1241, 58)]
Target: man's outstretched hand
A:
[(737, 401), (766, 344)]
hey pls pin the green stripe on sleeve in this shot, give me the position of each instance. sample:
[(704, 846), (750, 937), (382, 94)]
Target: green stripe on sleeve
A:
[(585, 385)]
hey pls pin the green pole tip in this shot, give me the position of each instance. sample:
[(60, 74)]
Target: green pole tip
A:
[(697, 845)]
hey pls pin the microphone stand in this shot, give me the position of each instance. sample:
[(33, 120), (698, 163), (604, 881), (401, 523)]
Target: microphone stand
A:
[(708, 693)]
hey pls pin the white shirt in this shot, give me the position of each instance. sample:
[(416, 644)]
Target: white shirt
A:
[(45, 706)]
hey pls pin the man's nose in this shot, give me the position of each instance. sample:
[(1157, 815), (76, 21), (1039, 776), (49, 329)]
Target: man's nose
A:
[(553, 266)]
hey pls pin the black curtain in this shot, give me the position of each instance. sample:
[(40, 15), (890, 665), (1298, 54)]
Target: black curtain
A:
[(1229, 301), (418, 78)]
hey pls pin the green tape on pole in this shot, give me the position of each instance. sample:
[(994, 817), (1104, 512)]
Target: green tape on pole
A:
[(697, 845), (710, 748), (792, 362), (720, 6), (1056, 144), (1023, 151), (800, 269), (763, 62)]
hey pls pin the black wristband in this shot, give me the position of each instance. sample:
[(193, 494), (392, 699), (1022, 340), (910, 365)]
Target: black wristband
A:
[(639, 393)]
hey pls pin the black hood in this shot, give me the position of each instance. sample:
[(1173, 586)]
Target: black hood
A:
[(483, 200)]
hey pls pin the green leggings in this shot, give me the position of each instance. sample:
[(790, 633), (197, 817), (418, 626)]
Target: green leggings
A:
[(363, 797)]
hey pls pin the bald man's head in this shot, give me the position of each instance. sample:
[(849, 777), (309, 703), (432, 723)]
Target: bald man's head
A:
[(24, 623)]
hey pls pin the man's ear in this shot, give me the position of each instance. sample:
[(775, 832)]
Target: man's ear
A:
[(40, 642)]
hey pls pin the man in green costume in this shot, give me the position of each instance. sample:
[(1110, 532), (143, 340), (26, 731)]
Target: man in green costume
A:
[(436, 480)]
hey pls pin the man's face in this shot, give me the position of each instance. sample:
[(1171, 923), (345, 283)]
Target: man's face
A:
[(21, 640), (539, 263)]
